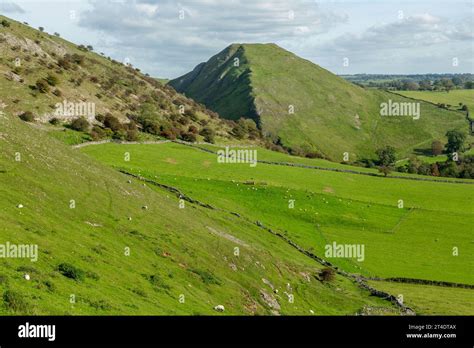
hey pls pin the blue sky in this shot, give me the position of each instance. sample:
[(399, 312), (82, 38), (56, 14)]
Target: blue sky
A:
[(167, 38)]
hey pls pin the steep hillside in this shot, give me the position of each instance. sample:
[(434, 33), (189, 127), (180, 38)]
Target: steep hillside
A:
[(113, 245), (305, 107), (39, 73)]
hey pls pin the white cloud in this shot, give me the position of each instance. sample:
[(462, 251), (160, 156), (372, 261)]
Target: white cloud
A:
[(10, 7), (178, 35)]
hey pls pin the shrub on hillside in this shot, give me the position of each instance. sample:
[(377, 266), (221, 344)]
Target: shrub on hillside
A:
[(437, 148), (189, 137), (120, 134), (313, 154), (52, 80), (27, 116), (386, 156), (5, 23), (327, 274), (15, 301), (132, 135), (71, 271), (193, 129), (80, 124), (168, 134), (97, 133), (112, 122), (42, 86), (54, 121), (208, 135), (65, 62), (77, 58)]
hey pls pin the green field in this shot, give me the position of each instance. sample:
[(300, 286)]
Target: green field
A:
[(453, 97), (347, 208), (134, 251)]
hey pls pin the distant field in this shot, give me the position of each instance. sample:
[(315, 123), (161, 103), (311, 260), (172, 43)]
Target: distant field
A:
[(453, 98), (450, 301)]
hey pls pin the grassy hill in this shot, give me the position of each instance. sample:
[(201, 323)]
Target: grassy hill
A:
[(172, 251), (38, 71), (331, 116)]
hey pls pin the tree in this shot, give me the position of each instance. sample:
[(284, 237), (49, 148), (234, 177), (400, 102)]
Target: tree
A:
[(385, 170), (41, 29), (469, 85), (112, 122), (437, 148), (411, 86), (448, 84), (387, 156), (455, 141), (80, 124), (425, 85), (434, 169), (413, 165)]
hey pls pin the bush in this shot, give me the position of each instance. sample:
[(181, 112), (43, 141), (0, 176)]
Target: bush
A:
[(132, 135), (208, 135), (52, 80), (71, 271), (54, 121), (65, 62), (57, 92), (327, 274), (121, 134), (5, 23), (27, 116), (80, 124), (189, 137), (112, 122), (313, 154), (206, 276), (77, 58), (385, 170), (437, 148), (15, 301), (97, 133), (42, 86)]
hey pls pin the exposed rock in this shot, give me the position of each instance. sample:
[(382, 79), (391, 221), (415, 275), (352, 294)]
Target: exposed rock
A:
[(267, 282), (269, 300)]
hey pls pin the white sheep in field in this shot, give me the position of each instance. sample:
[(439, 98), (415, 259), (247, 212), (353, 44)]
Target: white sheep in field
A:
[(219, 308)]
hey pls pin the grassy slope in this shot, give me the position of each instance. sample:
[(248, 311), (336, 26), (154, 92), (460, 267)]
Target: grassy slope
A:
[(169, 246), (365, 207), (113, 87), (325, 105), (339, 207), (221, 85)]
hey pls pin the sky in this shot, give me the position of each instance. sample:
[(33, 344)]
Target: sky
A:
[(168, 38)]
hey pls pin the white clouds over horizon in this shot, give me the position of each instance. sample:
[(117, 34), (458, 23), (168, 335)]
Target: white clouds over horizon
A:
[(168, 38)]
